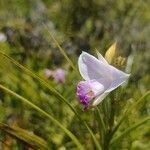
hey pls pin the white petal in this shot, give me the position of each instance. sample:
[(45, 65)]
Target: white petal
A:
[(97, 87), (118, 73), (116, 83), (99, 99), (105, 82), (92, 68), (101, 58), (119, 78)]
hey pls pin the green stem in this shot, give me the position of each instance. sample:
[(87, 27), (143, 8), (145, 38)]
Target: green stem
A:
[(101, 126), (94, 139), (110, 107)]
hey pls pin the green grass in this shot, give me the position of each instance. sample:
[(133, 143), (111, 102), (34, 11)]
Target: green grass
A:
[(52, 34)]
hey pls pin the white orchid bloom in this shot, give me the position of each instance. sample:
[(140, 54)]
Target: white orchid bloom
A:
[(100, 79)]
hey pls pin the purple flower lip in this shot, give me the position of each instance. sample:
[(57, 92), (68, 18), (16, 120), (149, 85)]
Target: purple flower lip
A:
[(85, 93)]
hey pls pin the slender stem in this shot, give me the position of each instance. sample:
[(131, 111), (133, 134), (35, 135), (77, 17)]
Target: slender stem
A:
[(110, 107), (101, 124), (95, 140), (61, 50), (113, 109)]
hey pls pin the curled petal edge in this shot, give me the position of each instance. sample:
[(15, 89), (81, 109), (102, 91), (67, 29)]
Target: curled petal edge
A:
[(116, 83), (99, 99)]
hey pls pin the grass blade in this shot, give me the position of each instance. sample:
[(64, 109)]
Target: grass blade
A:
[(139, 101), (31, 140), (93, 136), (128, 111), (130, 129), (53, 91), (30, 73), (62, 50), (74, 139)]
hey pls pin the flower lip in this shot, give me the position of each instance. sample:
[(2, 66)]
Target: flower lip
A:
[(84, 92), (87, 90)]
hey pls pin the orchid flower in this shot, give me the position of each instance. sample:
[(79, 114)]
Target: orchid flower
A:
[(100, 78)]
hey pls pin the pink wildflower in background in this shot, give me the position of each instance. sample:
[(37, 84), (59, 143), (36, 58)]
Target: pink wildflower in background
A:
[(48, 73), (58, 75)]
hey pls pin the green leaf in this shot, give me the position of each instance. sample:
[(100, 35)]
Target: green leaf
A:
[(134, 105), (74, 139), (30, 139), (94, 138), (101, 121), (130, 129), (30, 73), (54, 92)]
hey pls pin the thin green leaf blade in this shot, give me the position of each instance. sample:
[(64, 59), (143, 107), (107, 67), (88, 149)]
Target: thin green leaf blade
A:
[(142, 99), (30, 139), (53, 91), (69, 133), (130, 129), (62, 51)]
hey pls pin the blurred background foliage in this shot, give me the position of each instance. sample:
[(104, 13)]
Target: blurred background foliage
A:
[(78, 26)]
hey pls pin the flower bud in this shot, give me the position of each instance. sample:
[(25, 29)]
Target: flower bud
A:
[(110, 53)]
